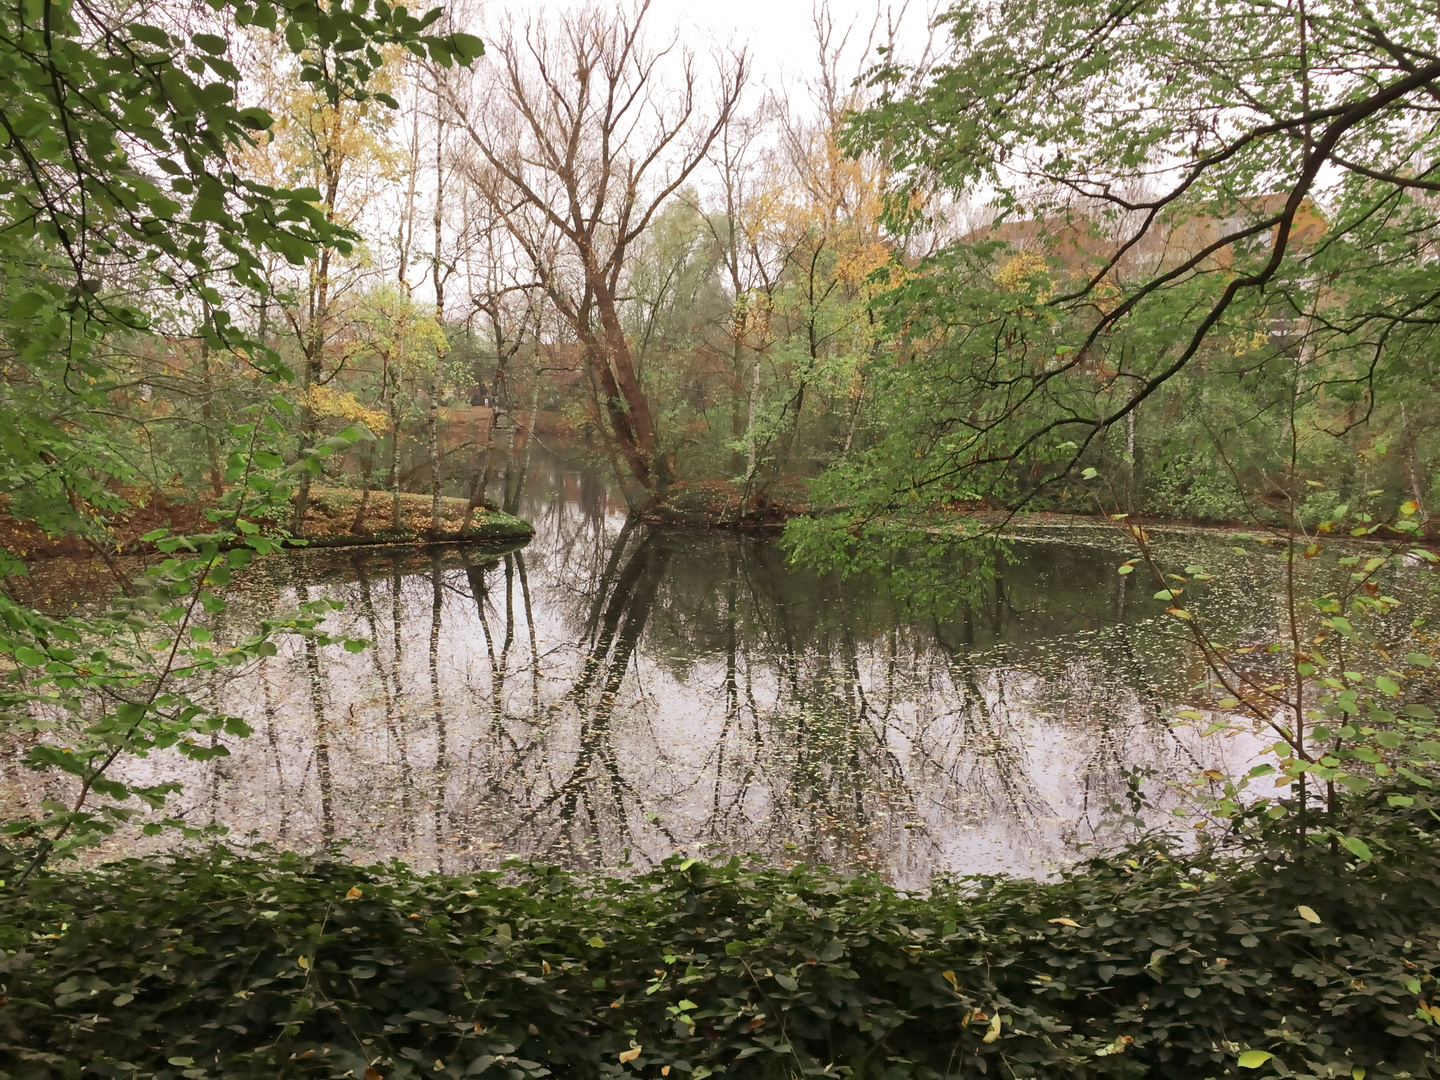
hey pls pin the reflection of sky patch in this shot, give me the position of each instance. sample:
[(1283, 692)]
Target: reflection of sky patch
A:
[(621, 693)]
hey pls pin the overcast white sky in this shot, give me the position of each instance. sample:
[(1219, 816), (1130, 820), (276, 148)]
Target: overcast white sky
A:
[(780, 34)]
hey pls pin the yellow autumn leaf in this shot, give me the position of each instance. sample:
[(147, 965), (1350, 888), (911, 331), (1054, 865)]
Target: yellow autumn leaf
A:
[(993, 1031), (327, 401), (630, 1055), (949, 977), (1409, 507), (304, 962), (1308, 913), (545, 966), (354, 893), (1065, 922)]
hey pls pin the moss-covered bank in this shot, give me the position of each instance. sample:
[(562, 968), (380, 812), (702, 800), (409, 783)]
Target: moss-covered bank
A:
[(348, 517), (221, 964)]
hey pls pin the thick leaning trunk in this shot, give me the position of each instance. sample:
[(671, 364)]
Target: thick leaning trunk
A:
[(628, 408)]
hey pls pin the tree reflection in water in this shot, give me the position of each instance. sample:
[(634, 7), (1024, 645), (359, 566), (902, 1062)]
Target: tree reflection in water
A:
[(617, 692)]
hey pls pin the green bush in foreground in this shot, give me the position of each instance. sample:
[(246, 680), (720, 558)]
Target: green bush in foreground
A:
[(227, 964)]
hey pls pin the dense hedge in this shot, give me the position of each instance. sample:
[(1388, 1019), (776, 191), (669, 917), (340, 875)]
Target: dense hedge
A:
[(224, 964)]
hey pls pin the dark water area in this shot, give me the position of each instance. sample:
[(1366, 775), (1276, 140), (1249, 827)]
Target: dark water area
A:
[(617, 693)]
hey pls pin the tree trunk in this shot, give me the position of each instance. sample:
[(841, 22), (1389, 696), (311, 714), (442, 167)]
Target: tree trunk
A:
[(314, 348), (437, 384), (520, 448), (207, 413), (1412, 465), (396, 521)]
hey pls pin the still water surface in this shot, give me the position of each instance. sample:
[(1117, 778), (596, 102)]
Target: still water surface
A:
[(616, 693)]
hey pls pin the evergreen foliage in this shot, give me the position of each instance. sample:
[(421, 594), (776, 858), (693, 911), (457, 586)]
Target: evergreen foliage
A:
[(1293, 962)]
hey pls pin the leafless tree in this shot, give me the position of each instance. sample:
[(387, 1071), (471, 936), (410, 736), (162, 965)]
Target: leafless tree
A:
[(579, 132)]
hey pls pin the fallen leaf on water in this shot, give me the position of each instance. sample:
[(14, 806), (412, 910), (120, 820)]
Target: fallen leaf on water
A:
[(630, 1055)]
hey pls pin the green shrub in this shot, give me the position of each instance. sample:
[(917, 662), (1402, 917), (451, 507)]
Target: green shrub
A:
[(1146, 964)]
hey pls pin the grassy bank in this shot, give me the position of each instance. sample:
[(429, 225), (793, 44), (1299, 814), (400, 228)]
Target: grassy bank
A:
[(331, 519), (65, 570), (1256, 963), (334, 519)]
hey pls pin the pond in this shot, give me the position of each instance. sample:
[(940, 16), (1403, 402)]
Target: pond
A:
[(618, 693)]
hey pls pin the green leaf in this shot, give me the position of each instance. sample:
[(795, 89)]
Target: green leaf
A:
[(466, 47), (1357, 847), (1253, 1059)]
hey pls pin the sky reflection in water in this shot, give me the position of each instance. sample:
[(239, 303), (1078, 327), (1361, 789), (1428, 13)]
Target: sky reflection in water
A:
[(617, 692)]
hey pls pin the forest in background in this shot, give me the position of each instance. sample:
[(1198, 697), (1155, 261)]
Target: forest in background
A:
[(724, 290)]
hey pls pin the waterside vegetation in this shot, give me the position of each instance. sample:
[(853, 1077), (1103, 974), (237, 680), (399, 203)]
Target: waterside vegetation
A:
[(1266, 959), (278, 273)]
